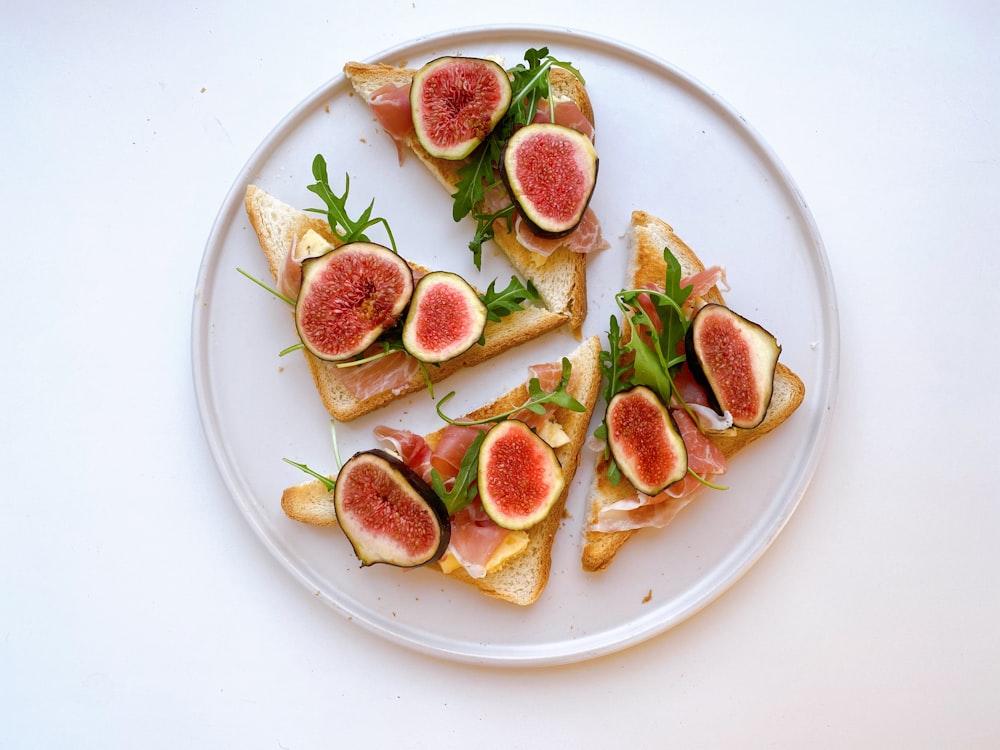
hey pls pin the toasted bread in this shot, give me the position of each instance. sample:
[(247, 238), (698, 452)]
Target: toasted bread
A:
[(522, 577), (277, 224), (648, 236), (560, 278)]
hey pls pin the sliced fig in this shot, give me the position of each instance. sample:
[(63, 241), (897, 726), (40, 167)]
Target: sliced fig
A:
[(388, 512), (520, 478), (644, 441), (456, 102), (550, 172), (349, 297), (734, 360), (445, 317)]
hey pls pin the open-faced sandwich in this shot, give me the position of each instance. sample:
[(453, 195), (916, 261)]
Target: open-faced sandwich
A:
[(689, 383), (482, 498), (513, 147), (372, 325)]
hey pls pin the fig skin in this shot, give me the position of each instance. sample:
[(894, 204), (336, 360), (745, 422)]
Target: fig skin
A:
[(349, 297), (636, 418), (539, 475), (451, 122), (575, 172), (734, 360), (401, 501), (433, 331)]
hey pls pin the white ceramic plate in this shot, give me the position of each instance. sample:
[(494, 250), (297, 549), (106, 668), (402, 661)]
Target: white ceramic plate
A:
[(667, 145)]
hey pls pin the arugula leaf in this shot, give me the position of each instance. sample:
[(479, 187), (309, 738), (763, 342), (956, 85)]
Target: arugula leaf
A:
[(464, 488), (537, 398), (653, 357), (503, 303), (529, 85), (348, 229)]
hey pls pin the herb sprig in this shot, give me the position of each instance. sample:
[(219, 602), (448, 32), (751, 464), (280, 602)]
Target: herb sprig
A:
[(529, 84), (650, 353), (538, 398), (348, 229), (464, 488)]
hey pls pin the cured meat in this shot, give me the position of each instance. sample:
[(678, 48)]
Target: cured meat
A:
[(392, 372), (455, 441), (410, 447), (567, 113), (586, 238), (391, 106), (641, 510), (474, 538)]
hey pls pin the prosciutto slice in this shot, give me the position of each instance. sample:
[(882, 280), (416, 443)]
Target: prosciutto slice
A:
[(642, 511), (391, 106), (586, 238), (393, 372), (474, 535)]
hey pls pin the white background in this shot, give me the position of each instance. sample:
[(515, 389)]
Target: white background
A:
[(138, 609)]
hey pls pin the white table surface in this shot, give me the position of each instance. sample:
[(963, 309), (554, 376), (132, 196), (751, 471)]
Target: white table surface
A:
[(138, 609)]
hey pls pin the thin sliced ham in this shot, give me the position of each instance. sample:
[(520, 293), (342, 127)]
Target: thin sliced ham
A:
[(474, 538), (641, 510), (586, 238), (393, 372), (411, 448), (568, 113), (391, 106), (474, 535), (455, 441)]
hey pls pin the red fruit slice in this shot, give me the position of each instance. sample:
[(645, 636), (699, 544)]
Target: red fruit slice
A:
[(446, 317), (734, 360), (643, 440), (520, 478), (456, 102), (389, 514), (550, 172), (349, 297)]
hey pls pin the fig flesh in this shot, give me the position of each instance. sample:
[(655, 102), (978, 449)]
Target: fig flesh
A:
[(456, 102), (520, 478), (550, 172), (644, 441), (734, 360), (445, 318), (349, 297), (388, 512)]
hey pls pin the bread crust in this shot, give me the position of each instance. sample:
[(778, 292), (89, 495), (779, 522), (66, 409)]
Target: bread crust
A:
[(522, 578), (277, 224), (648, 236), (560, 278)]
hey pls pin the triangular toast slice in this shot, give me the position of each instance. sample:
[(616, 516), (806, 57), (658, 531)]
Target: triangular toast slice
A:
[(560, 278), (278, 225), (648, 236), (522, 577)]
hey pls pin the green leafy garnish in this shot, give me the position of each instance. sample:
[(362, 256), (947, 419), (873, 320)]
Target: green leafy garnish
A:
[(529, 84), (346, 228), (464, 488), (652, 353), (330, 484), (537, 399), (508, 300)]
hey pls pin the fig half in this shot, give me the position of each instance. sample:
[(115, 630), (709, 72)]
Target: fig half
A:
[(520, 478), (550, 172), (388, 512), (644, 441), (734, 360), (456, 102), (445, 318), (349, 297)]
